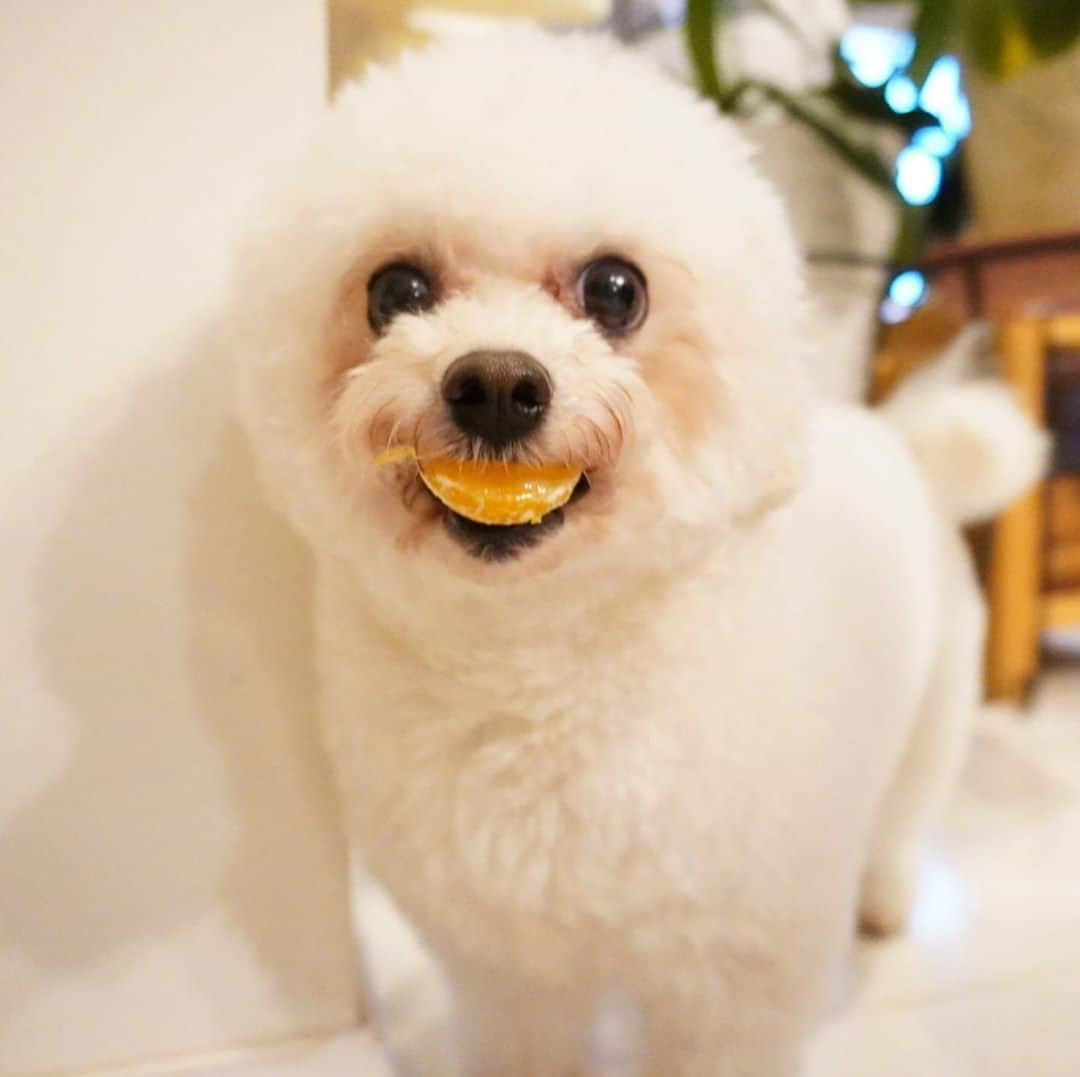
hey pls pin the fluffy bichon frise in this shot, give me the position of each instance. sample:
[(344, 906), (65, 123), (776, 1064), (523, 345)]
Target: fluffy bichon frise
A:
[(657, 744)]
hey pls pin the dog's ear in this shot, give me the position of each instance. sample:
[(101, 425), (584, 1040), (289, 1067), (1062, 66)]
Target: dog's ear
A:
[(768, 451), (744, 406), (735, 394)]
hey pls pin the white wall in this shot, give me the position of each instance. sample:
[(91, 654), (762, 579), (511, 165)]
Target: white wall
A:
[(171, 878)]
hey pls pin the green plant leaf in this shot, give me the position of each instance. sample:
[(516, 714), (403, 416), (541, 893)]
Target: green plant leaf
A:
[(827, 120), (700, 30), (869, 103), (986, 25), (911, 233), (1051, 26), (1000, 37), (934, 29)]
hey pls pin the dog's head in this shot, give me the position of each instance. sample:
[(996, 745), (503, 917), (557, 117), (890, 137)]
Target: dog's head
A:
[(536, 249)]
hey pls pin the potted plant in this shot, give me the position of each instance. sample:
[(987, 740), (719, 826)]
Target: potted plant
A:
[(1022, 61), (827, 142), (1023, 162)]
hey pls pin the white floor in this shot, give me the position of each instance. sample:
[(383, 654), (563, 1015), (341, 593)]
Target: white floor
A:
[(987, 981), (985, 984)]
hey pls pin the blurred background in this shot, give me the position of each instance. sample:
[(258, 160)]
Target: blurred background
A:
[(175, 894)]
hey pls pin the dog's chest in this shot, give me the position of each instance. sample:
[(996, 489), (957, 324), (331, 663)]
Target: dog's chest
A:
[(552, 791), (537, 803)]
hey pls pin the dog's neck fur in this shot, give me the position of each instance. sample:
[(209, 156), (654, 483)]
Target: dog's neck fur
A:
[(446, 628), (493, 644)]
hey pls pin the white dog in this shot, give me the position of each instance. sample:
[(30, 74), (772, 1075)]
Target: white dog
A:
[(654, 744)]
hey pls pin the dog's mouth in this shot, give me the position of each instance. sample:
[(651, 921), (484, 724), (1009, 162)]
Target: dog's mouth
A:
[(502, 542), (493, 509)]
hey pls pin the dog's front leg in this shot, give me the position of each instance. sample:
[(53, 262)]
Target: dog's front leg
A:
[(508, 1029), (716, 1034)]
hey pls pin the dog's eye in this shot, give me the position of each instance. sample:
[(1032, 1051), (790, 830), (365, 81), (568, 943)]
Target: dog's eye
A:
[(612, 292), (396, 289)]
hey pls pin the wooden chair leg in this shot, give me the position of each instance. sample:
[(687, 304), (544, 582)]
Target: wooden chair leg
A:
[(1015, 579), (1015, 607)]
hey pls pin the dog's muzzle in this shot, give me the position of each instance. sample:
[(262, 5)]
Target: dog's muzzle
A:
[(498, 397)]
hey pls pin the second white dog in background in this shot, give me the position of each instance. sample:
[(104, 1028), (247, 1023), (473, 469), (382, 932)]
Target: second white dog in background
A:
[(653, 745)]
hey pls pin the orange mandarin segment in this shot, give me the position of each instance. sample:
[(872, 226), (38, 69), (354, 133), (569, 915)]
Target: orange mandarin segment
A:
[(492, 492)]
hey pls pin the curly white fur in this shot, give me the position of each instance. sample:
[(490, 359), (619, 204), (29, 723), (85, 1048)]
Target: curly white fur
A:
[(644, 757)]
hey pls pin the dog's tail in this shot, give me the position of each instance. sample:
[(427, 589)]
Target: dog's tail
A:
[(978, 450)]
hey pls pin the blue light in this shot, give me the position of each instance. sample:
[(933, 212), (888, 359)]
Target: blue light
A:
[(874, 53), (908, 289), (943, 95), (901, 94), (942, 84), (956, 119), (891, 312), (934, 141), (918, 176), (879, 57)]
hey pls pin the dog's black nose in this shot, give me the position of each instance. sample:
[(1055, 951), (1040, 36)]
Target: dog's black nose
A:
[(495, 395)]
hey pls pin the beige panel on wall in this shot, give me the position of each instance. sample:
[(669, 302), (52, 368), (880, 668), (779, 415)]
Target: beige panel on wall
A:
[(171, 874), (362, 31)]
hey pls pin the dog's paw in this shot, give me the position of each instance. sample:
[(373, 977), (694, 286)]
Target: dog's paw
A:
[(888, 893)]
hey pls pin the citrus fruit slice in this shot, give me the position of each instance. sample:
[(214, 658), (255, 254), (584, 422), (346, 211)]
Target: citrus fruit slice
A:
[(493, 492)]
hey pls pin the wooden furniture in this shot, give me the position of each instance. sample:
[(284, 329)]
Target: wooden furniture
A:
[(909, 345), (1001, 278), (1033, 581)]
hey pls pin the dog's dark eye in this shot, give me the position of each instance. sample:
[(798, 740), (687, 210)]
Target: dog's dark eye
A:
[(612, 292), (396, 289)]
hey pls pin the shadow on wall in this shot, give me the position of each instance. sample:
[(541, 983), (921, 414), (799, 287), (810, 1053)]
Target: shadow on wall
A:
[(175, 628)]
